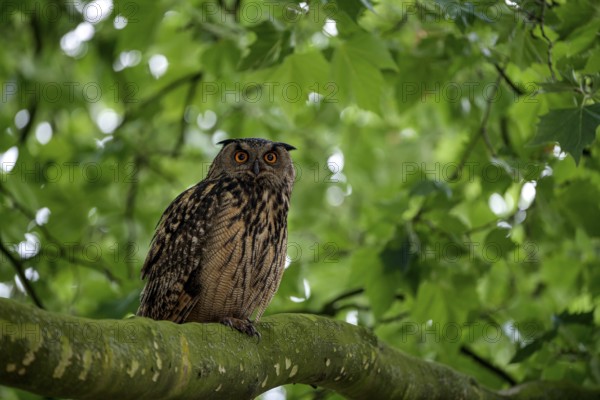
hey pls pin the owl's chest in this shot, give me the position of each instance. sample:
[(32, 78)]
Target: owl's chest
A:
[(257, 210)]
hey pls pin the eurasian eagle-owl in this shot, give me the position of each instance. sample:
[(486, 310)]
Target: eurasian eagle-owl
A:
[(219, 250)]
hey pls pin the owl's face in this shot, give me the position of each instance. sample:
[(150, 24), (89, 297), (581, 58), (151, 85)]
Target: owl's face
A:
[(254, 160)]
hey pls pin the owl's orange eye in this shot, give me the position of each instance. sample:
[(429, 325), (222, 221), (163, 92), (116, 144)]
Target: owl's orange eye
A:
[(270, 157), (240, 157)]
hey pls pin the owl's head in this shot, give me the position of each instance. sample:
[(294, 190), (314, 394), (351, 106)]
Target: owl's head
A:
[(256, 160)]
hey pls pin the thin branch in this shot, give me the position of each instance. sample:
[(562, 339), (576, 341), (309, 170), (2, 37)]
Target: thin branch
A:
[(129, 115), (20, 270), (486, 116), (130, 209), (330, 307), (516, 89), (231, 10), (395, 318), (183, 123), (169, 178), (504, 134), (547, 39), (481, 133), (488, 365), (32, 110), (63, 251), (483, 227), (37, 36)]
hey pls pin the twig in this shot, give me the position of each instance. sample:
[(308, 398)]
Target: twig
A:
[(158, 95), (32, 110), (487, 365), (63, 252), (129, 210), (518, 91), (188, 99), (36, 29), (233, 10), (330, 308), (18, 266), (481, 133), (395, 318), (550, 44), (486, 116), (482, 227)]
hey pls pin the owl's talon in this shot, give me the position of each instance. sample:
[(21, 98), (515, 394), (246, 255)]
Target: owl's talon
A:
[(244, 326)]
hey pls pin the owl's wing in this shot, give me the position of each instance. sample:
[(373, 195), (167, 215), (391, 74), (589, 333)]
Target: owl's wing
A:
[(174, 260)]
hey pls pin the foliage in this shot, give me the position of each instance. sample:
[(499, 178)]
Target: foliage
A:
[(448, 178)]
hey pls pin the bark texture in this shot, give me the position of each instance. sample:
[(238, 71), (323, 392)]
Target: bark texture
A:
[(64, 356)]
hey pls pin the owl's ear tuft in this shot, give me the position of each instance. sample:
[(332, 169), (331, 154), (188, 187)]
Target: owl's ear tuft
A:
[(227, 141), (286, 146)]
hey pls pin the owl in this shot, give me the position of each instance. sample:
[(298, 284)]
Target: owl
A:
[(219, 249)]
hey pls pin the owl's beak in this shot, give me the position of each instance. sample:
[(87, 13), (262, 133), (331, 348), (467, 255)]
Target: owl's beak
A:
[(256, 167)]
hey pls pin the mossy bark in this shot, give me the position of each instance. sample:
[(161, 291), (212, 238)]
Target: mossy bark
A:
[(65, 356)]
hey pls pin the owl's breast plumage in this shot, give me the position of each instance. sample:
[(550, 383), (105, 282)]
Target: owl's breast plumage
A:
[(244, 254)]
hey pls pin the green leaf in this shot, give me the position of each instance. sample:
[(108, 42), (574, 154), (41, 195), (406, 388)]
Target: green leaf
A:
[(583, 37), (142, 22), (573, 15), (353, 8), (380, 283), (573, 128), (397, 254), (463, 14), (446, 222), (292, 81), (593, 63), (525, 50), (221, 58), (427, 187), (528, 350), (372, 49), (356, 70), (497, 245), (430, 304), (585, 318), (270, 45), (579, 204)]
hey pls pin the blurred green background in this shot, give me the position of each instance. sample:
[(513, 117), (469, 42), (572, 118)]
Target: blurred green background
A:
[(448, 178)]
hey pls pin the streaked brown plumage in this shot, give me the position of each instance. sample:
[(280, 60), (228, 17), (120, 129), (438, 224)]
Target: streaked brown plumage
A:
[(219, 250)]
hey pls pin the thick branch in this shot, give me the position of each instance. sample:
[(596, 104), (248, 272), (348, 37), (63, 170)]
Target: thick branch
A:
[(64, 356)]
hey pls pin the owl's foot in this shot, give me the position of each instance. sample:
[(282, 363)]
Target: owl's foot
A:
[(244, 326)]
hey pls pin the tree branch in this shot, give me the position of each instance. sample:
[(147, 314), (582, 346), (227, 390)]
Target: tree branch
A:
[(18, 266), (133, 112), (516, 89), (65, 356), (487, 365), (128, 214), (63, 251), (481, 132), (542, 22), (183, 123)]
